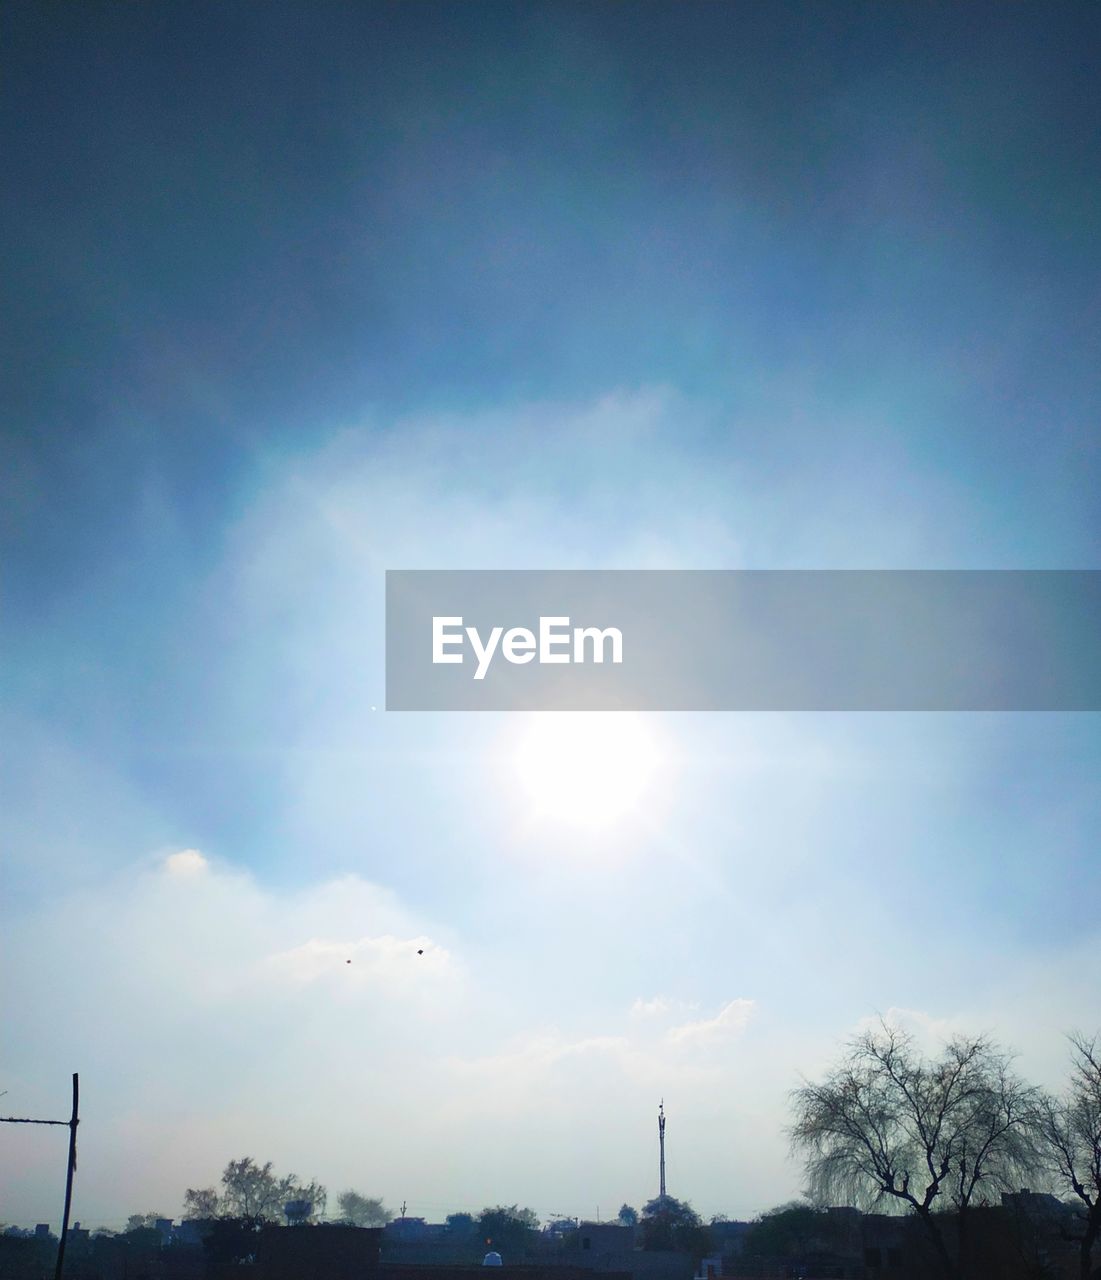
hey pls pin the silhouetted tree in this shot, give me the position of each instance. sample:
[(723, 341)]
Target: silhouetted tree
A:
[(136, 1221), (229, 1243), (462, 1225), (252, 1194), (669, 1224), (563, 1229), (789, 1229), (628, 1217), (144, 1240), (201, 1204), (362, 1211), (507, 1228), (1070, 1128), (888, 1125)]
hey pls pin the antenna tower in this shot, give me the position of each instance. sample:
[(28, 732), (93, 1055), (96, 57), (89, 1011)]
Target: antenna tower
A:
[(661, 1145)]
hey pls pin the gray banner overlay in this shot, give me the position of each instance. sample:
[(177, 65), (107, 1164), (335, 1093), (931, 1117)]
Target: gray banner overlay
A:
[(743, 640)]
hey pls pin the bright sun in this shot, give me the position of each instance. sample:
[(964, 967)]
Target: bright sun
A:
[(586, 768)]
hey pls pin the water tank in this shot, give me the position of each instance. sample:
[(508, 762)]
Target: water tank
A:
[(298, 1211)]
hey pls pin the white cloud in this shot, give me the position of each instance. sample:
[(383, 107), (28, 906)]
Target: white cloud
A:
[(730, 1021), (211, 1015), (538, 1052), (187, 862), (653, 1008)]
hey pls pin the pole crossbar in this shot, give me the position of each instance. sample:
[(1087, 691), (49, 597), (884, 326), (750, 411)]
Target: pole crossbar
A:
[(71, 1125)]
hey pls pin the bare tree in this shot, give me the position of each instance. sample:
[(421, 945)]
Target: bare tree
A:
[(1070, 1127), (253, 1194), (889, 1126)]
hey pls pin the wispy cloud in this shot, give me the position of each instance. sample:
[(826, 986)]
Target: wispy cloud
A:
[(929, 1030), (731, 1020), (652, 1008), (360, 960)]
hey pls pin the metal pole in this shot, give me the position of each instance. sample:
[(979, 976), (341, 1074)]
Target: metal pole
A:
[(662, 1144), (73, 1122)]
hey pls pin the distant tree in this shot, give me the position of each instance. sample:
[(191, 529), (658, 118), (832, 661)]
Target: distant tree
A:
[(508, 1228), (201, 1203), (563, 1230), (1070, 1129), (142, 1239), (669, 1224), (252, 1194), (789, 1230), (137, 1221), (462, 1225), (362, 1211), (229, 1243), (628, 1217), (887, 1125)]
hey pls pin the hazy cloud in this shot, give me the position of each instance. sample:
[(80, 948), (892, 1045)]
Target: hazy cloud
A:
[(652, 1008), (392, 959), (730, 1021)]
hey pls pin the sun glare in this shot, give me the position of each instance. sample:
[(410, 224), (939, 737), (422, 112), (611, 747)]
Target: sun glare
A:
[(586, 768)]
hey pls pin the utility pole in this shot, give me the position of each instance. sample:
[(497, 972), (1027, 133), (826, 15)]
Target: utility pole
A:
[(661, 1145), (71, 1124)]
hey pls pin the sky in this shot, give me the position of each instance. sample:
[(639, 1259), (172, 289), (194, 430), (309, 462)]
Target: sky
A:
[(296, 294)]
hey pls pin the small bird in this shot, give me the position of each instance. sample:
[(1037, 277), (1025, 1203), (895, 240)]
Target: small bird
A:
[(420, 951)]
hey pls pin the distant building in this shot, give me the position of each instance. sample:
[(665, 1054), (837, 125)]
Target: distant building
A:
[(883, 1241), (728, 1236), (604, 1237), (711, 1267), (326, 1252), (414, 1231), (190, 1232), (1034, 1204)]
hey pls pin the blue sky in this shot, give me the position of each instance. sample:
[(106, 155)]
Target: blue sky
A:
[(300, 294)]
